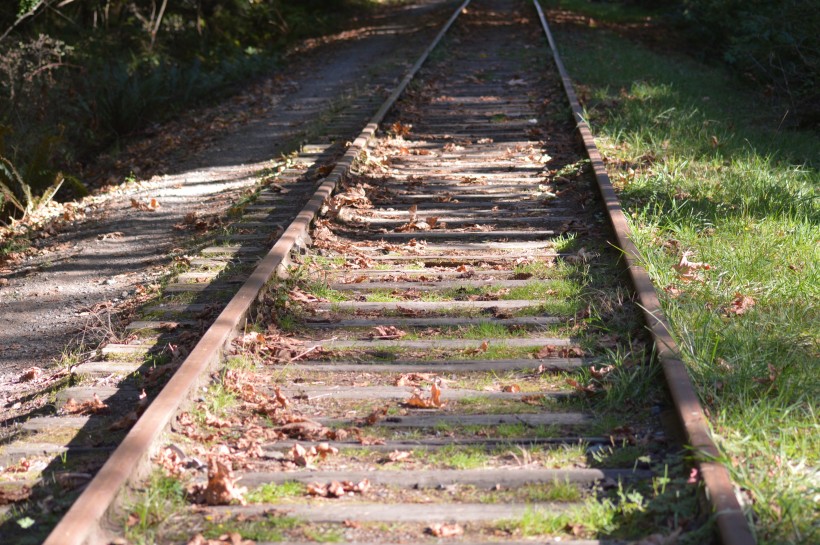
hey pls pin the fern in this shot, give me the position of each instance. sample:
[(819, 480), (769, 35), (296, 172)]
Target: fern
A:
[(25, 201), (9, 178)]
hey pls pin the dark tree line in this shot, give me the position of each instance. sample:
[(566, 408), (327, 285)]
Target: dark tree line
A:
[(774, 44), (78, 75)]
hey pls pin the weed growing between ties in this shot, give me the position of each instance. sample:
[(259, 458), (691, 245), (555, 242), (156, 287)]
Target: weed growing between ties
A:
[(724, 208)]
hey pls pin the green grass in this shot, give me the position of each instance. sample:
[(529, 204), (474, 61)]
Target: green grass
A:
[(624, 513), (454, 457), (703, 166), (273, 493), (160, 499), (267, 528)]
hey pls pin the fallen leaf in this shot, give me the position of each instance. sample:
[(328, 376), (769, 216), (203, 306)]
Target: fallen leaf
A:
[(443, 529), (9, 495), (149, 206), (301, 456), (400, 129), (30, 374), (386, 332), (512, 389), (433, 402), (20, 467), (170, 460), (552, 351), (92, 406), (376, 415), (740, 305), (687, 270), (337, 489), (601, 372), (577, 530), (399, 455), (773, 374), (221, 488), (585, 389), (414, 379)]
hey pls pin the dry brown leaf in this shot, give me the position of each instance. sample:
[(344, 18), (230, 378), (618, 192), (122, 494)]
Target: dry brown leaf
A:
[(414, 379), (582, 256), (215, 421), (688, 270), (20, 467), (92, 406), (337, 489), (601, 372), (577, 530), (324, 450), (512, 389), (773, 374), (399, 455), (433, 402), (376, 415), (169, 459), (584, 389), (298, 295), (9, 495), (221, 488), (552, 351), (304, 457), (740, 305), (279, 398), (301, 456), (32, 373), (400, 129), (386, 332), (443, 529), (149, 206)]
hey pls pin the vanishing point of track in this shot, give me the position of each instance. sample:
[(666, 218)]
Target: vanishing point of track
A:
[(442, 222)]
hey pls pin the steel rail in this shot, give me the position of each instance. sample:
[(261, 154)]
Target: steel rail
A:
[(82, 523), (733, 526)]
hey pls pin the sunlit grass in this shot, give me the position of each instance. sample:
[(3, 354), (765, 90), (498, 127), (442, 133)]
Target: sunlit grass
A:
[(702, 167)]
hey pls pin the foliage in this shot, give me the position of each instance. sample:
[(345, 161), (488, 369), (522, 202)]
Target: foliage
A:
[(91, 73), (774, 43)]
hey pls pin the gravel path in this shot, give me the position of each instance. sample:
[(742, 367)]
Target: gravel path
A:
[(51, 300)]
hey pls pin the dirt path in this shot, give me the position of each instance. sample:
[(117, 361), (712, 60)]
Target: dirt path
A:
[(54, 298)]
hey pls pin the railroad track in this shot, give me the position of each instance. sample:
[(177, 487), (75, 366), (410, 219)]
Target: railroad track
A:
[(442, 343)]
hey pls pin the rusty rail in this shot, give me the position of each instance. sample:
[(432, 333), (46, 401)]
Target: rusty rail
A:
[(733, 525)]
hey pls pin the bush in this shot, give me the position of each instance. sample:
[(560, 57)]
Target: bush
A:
[(775, 44), (89, 73)]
